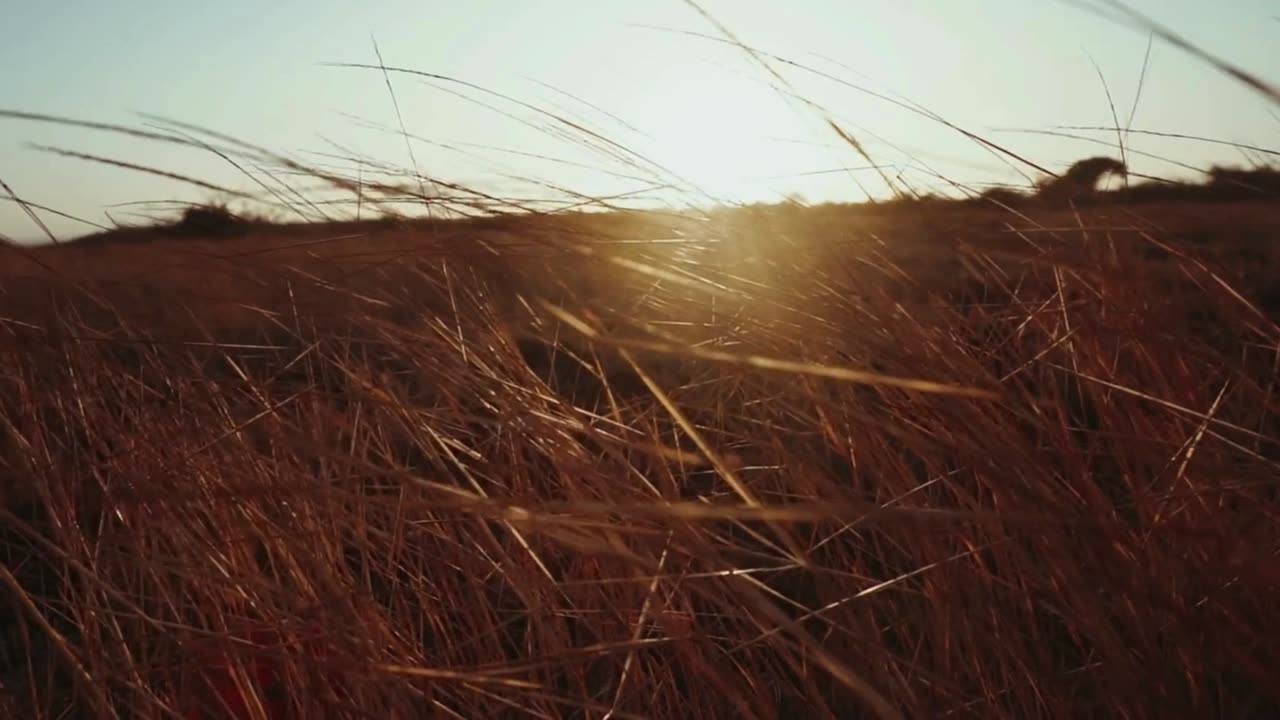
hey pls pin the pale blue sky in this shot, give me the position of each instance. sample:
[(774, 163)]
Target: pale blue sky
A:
[(255, 70)]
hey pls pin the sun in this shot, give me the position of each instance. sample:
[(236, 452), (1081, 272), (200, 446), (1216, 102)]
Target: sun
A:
[(716, 130), (715, 153)]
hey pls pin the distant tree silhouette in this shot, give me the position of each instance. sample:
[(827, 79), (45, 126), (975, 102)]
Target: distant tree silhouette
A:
[(1080, 179)]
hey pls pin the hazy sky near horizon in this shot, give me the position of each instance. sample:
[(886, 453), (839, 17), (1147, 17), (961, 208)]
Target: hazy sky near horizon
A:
[(628, 70)]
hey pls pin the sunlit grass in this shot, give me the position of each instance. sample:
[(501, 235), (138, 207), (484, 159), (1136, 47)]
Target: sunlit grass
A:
[(387, 475)]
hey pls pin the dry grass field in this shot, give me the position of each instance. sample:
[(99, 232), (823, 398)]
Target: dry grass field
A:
[(925, 460)]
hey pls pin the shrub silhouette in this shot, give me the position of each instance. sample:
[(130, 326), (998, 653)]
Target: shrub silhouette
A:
[(1001, 195), (1081, 179), (210, 221), (1256, 181), (1222, 183)]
